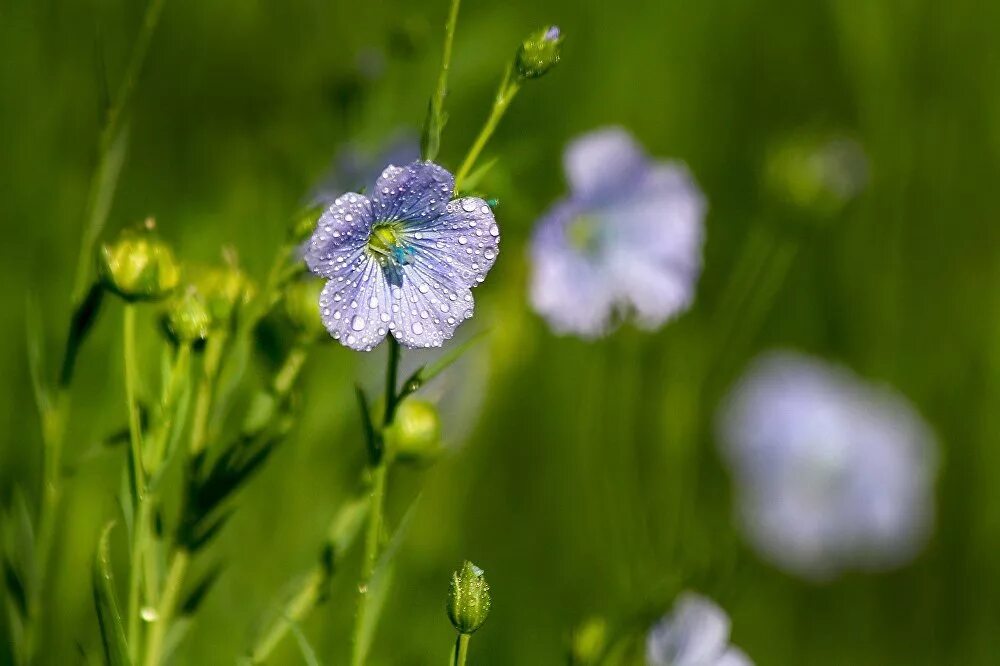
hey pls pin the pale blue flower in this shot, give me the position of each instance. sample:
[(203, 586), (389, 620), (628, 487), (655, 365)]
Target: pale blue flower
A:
[(402, 261), (831, 473), (694, 633), (627, 240)]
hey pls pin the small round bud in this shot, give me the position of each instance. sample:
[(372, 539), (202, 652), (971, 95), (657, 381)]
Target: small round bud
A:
[(589, 641), (468, 599), (225, 290), (138, 266), (301, 307), (415, 432), (539, 53), (187, 319)]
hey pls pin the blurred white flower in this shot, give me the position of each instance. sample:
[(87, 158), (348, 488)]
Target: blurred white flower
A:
[(831, 473), (694, 633)]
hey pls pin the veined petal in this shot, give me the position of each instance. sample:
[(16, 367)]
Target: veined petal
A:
[(460, 246), (355, 306), (603, 163), (425, 309), (340, 234), (734, 657), (417, 192), (571, 290)]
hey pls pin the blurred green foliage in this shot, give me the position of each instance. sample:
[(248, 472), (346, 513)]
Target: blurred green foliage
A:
[(589, 485)]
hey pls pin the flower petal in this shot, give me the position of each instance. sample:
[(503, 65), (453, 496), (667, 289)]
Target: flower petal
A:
[(734, 657), (355, 306), (571, 290), (426, 310), (419, 191), (602, 163), (460, 246), (341, 233)]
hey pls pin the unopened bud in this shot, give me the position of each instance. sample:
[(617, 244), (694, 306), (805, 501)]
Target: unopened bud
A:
[(187, 319), (415, 432), (138, 266), (468, 598), (225, 289), (539, 53)]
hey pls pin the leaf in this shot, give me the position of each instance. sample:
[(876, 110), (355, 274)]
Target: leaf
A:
[(14, 583), (474, 178), (112, 632), (378, 591), (425, 373), (197, 594)]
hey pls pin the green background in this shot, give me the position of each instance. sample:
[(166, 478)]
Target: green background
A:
[(583, 476)]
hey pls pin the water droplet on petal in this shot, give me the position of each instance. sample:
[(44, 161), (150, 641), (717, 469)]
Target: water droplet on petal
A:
[(494, 230), (358, 323), (417, 328), (468, 205)]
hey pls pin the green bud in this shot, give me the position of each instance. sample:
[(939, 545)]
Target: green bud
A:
[(304, 224), (187, 318), (539, 53), (468, 599), (225, 289), (415, 432), (301, 306), (816, 173), (138, 266)]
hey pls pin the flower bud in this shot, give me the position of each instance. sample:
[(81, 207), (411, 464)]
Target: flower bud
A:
[(187, 318), (468, 599), (138, 266), (301, 307), (225, 289), (539, 53), (589, 641), (415, 432)]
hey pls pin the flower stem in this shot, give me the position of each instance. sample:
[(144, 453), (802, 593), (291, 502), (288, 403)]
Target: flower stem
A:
[(206, 390), (167, 606), (435, 112), (508, 89), (373, 533), (137, 478), (461, 649)]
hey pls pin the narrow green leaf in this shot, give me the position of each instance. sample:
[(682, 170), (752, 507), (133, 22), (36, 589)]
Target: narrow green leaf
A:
[(36, 362), (112, 632), (425, 373), (372, 443), (474, 178), (308, 653)]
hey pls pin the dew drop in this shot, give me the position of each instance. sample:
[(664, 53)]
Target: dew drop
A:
[(462, 240), (358, 323), (417, 328), (494, 230), (468, 205)]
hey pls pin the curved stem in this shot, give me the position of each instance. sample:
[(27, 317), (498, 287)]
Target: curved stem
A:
[(435, 112), (505, 95)]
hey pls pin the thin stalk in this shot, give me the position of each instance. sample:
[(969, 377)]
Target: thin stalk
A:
[(179, 375), (290, 370), (206, 390), (293, 612), (137, 478), (373, 533), (461, 649), (167, 606), (505, 95), (435, 120)]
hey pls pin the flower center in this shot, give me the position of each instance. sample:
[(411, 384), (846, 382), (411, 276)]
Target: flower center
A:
[(386, 244), (584, 234)]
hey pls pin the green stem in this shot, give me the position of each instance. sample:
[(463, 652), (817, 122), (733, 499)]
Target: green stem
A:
[(179, 376), (293, 612), (461, 649), (137, 478), (290, 370), (167, 606), (373, 533), (435, 120), (206, 390), (505, 95)]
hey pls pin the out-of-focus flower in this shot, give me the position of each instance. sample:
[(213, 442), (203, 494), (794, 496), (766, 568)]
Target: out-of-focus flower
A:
[(468, 599), (138, 266), (628, 239), (539, 53), (694, 633), (831, 473), (818, 173), (403, 261)]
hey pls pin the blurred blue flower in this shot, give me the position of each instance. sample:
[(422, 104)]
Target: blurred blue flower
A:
[(628, 239), (402, 261), (694, 633), (831, 473)]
